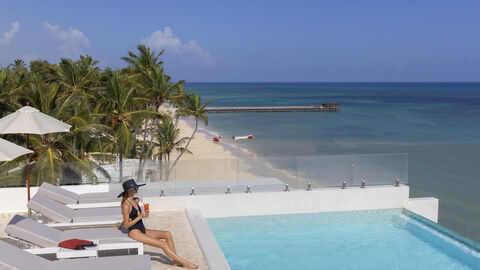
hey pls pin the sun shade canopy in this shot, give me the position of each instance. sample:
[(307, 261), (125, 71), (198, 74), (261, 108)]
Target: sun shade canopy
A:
[(9, 151), (28, 120)]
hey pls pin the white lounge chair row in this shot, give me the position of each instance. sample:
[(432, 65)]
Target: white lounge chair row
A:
[(51, 201)]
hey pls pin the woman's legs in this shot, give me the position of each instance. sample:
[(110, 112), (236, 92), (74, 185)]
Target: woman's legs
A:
[(157, 234), (141, 237)]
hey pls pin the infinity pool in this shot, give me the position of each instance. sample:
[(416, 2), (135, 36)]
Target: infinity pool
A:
[(378, 239)]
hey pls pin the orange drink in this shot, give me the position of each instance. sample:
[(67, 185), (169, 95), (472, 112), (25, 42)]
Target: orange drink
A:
[(146, 206)]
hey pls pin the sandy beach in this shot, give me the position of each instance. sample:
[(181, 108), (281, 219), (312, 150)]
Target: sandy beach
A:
[(208, 160), (202, 145)]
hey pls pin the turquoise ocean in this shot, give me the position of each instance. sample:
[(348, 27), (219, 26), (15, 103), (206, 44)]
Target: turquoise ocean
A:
[(437, 124)]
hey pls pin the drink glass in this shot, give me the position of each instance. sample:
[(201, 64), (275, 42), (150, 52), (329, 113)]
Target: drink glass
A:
[(146, 206)]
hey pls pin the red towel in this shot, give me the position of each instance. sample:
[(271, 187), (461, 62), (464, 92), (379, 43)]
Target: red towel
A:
[(77, 244)]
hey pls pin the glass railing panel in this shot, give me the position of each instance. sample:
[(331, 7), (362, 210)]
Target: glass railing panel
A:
[(214, 175), (267, 173), (12, 175), (206, 176), (325, 171), (64, 173), (113, 169), (380, 169), (154, 171), (130, 169), (157, 175), (75, 173)]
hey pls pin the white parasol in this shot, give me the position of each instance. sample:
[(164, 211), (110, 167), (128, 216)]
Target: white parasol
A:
[(28, 120), (9, 151)]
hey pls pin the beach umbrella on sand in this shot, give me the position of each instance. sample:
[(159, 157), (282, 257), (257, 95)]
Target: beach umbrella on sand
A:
[(9, 151), (28, 120)]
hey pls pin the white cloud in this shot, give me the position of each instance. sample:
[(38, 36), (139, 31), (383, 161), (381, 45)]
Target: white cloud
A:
[(7, 37), (189, 51), (70, 37), (71, 42)]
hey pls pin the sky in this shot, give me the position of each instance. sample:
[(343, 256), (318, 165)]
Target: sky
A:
[(257, 41)]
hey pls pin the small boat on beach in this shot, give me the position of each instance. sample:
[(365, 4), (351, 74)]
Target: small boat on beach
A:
[(248, 137)]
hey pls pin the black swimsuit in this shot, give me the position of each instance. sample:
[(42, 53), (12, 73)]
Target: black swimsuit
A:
[(133, 215)]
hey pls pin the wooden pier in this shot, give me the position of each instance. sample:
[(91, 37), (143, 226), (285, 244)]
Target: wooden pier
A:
[(328, 107)]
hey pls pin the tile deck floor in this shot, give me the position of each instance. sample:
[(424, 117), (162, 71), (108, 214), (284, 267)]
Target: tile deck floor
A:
[(174, 221)]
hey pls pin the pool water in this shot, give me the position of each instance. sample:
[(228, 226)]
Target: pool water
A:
[(375, 239)]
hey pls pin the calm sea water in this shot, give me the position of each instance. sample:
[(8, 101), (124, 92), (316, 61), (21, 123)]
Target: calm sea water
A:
[(437, 124)]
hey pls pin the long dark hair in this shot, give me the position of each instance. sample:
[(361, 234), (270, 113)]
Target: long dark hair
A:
[(125, 196)]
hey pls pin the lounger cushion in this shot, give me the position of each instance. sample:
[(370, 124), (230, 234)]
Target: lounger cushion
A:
[(44, 236), (99, 197), (58, 194), (31, 231), (12, 257), (51, 209), (97, 214), (141, 262), (93, 234), (61, 213), (67, 197)]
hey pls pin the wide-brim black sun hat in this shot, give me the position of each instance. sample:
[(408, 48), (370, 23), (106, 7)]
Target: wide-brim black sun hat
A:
[(129, 184)]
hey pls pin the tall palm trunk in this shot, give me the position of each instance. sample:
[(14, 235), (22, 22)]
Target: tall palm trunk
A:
[(150, 146), (75, 136), (186, 146), (177, 118), (120, 159), (101, 149), (142, 151), (134, 148)]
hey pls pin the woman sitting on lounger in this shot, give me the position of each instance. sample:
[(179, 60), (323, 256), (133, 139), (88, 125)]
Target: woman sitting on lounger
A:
[(132, 220)]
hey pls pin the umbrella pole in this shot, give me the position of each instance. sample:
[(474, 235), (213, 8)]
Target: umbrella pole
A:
[(28, 169)]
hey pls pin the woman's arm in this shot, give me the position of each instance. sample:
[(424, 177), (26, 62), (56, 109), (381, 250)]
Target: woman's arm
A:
[(127, 222)]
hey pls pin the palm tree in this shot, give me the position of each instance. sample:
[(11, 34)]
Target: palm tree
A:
[(145, 60), (53, 159), (159, 90), (53, 155), (177, 99), (168, 139), (76, 80), (41, 95), (116, 104), (192, 106), (109, 106), (20, 70), (8, 92), (149, 74)]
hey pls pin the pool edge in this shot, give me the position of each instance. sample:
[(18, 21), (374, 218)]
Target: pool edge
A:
[(443, 230), (212, 253)]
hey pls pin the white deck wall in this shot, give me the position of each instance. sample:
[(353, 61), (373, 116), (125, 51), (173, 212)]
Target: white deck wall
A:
[(14, 200), (295, 201), (426, 207)]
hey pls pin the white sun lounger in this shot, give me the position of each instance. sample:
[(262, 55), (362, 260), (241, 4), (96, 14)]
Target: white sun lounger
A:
[(12, 257), (68, 217), (32, 232), (95, 199)]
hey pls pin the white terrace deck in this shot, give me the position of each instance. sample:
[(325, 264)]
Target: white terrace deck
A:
[(171, 220)]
